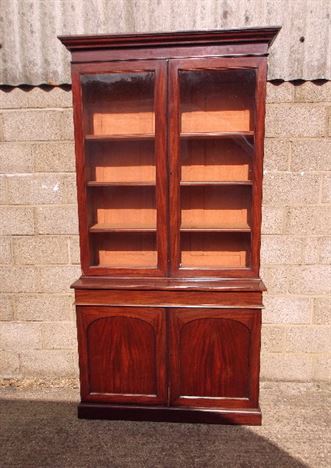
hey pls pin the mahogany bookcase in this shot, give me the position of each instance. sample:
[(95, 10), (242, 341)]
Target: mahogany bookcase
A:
[(169, 131)]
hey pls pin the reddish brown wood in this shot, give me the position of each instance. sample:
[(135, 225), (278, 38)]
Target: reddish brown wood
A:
[(258, 166), (257, 64), (168, 298), (215, 135), (159, 68), (122, 354), (212, 229), (223, 183), (230, 36), (212, 354), (244, 416), (127, 137), (119, 184), (164, 52), (80, 170), (109, 228), (171, 284), (172, 256), (171, 342)]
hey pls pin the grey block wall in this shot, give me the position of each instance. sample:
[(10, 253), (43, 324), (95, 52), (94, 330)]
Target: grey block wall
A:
[(39, 255)]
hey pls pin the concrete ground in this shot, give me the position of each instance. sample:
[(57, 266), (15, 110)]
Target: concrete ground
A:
[(39, 428)]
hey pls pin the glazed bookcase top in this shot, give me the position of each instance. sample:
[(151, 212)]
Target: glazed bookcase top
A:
[(169, 131)]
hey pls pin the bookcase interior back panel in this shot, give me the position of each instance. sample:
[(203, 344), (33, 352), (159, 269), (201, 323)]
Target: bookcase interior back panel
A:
[(121, 161), (124, 207), (215, 207), (119, 103), (216, 159), (217, 100), (124, 249), (215, 250)]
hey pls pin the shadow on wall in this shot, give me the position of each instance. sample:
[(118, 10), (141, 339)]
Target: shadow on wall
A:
[(42, 434)]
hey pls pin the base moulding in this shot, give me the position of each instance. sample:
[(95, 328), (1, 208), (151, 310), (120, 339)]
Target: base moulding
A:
[(250, 417)]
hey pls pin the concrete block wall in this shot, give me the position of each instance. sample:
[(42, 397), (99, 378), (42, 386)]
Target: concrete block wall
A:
[(296, 241), (39, 253), (38, 234)]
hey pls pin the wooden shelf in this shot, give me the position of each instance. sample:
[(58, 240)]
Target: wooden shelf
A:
[(104, 228), (213, 135), (120, 184), (133, 137), (221, 183), (182, 184), (212, 229)]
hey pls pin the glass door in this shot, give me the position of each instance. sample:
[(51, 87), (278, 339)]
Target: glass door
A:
[(213, 167), (123, 141)]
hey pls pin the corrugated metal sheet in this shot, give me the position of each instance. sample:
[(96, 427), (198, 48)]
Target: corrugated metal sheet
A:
[(31, 53)]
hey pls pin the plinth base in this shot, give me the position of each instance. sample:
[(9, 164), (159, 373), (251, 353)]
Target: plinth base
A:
[(249, 417)]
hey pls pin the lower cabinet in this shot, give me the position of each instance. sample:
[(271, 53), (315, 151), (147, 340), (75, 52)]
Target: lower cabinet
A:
[(189, 358)]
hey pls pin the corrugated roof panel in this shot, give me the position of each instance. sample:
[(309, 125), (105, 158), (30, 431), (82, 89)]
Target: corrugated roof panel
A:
[(32, 54)]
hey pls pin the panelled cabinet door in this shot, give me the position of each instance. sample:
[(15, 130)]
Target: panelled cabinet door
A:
[(122, 354), (214, 357)]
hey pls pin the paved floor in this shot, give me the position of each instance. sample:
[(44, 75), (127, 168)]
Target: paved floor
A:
[(39, 428)]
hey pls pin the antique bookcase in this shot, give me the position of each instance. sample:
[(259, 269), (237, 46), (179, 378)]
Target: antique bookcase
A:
[(169, 131)]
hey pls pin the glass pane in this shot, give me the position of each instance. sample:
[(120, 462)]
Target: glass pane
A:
[(216, 159), (215, 207), (121, 161), (216, 155), (119, 103), (217, 100), (123, 208), (121, 169), (128, 250), (123, 226), (215, 250)]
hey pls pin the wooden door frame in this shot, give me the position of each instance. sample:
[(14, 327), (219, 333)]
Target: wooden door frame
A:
[(159, 67), (259, 65)]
